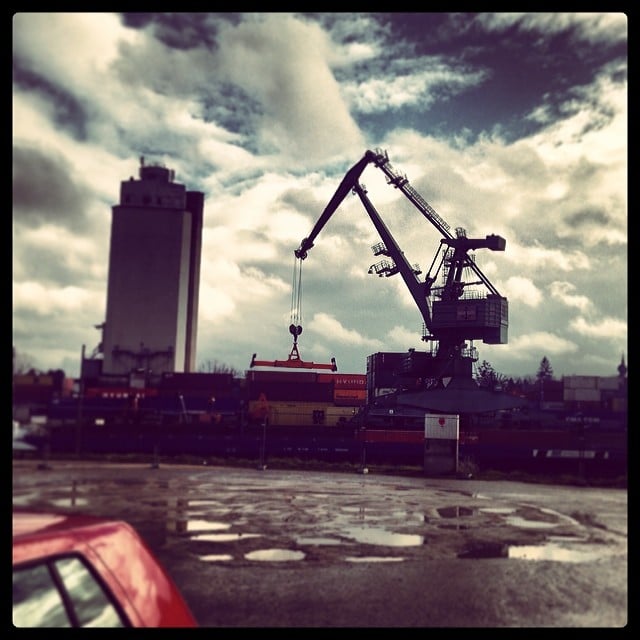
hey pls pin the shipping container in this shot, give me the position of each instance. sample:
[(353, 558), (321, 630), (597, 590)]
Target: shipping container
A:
[(383, 371), (33, 394), (552, 405), (196, 381), (350, 381), (612, 383), (298, 391), (282, 413), (281, 376), (580, 382), (337, 416), (581, 394), (118, 392), (354, 396), (619, 405)]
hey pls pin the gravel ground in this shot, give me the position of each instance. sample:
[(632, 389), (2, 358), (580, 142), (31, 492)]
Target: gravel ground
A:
[(275, 548)]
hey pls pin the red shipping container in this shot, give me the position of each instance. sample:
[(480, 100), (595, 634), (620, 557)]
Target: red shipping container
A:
[(350, 381)]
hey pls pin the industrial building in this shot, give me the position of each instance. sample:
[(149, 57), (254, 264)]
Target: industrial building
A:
[(154, 278)]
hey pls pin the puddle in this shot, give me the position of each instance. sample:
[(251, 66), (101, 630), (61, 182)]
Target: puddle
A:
[(71, 501), (373, 559), (498, 510), (523, 523), (382, 537), (455, 512), (223, 557), (275, 555), (187, 526), (224, 537), (25, 499), (318, 541), (555, 552), (567, 538)]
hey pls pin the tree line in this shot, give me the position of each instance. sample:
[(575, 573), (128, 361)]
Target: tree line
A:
[(488, 378)]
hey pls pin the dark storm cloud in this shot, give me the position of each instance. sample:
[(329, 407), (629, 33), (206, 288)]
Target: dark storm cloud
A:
[(518, 64), (43, 191), (67, 111), (300, 200), (231, 108), (51, 268), (180, 30), (589, 217)]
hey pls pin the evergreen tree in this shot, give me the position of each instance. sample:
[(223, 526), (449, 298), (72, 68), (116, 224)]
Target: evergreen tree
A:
[(545, 371)]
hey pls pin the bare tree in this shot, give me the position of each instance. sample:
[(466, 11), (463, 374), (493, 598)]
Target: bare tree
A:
[(213, 366), (22, 363)]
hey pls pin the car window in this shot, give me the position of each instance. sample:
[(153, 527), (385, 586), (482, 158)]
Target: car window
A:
[(61, 593), (36, 600)]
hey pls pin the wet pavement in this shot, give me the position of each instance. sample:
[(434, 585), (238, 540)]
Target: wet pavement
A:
[(275, 548)]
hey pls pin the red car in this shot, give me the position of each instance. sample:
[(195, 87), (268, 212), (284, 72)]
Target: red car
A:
[(80, 571)]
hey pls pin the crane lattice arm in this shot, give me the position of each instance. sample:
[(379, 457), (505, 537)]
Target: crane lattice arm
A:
[(381, 160)]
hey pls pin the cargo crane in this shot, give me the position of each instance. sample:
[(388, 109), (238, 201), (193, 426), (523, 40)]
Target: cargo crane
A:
[(452, 313)]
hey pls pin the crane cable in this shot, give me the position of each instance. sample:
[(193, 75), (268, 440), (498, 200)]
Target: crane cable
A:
[(295, 328)]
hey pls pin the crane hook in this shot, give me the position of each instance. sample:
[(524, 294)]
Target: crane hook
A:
[(295, 331)]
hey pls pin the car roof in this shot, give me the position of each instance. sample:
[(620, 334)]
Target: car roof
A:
[(115, 549), (28, 522)]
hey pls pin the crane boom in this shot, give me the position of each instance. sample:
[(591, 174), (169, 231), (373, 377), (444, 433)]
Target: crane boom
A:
[(419, 290), (348, 182), (381, 159)]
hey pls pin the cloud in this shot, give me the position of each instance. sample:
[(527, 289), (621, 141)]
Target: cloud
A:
[(282, 63), (514, 124), (522, 290), (326, 325), (542, 342), (605, 328), (562, 291), (592, 27), (44, 190), (396, 84)]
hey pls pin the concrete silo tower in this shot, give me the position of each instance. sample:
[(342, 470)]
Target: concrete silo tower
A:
[(154, 275)]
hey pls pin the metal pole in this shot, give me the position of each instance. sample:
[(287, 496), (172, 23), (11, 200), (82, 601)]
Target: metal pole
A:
[(263, 446), (80, 417)]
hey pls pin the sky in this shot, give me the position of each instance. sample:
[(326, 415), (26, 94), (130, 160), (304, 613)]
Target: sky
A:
[(512, 124)]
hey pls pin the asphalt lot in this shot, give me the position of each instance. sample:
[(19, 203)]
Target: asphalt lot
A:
[(275, 548)]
